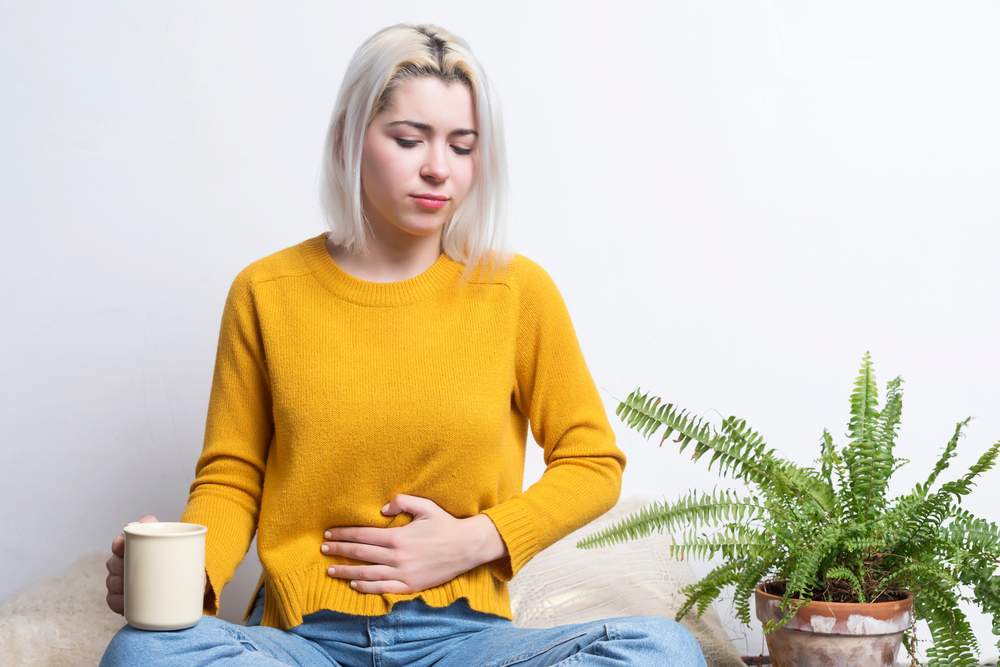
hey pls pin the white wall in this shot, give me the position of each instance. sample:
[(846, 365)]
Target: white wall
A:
[(736, 198)]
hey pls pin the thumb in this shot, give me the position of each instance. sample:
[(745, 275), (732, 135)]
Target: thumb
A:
[(149, 518), (420, 508)]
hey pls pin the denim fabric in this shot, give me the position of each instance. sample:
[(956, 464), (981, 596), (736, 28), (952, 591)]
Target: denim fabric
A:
[(413, 634)]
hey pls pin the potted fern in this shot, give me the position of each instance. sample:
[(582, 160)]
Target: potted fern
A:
[(805, 540)]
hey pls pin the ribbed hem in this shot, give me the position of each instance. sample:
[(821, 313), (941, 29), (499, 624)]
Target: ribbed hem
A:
[(290, 597), (226, 542), (443, 273), (518, 534)]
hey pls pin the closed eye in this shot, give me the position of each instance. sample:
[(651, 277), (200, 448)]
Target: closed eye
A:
[(461, 151), (406, 143)]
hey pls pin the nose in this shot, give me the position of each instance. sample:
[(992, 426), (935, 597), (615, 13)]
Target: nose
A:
[(435, 167)]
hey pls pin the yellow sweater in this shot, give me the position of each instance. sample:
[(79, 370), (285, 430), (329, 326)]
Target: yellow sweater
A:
[(333, 394)]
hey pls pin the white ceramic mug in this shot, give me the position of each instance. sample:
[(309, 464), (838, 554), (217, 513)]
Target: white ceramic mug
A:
[(164, 575)]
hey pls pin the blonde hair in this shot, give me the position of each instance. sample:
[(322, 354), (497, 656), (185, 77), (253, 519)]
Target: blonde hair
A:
[(478, 231)]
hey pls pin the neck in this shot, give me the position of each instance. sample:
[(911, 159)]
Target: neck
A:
[(389, 259)]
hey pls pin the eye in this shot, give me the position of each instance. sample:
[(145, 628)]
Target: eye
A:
[(406, 143), (461, 151)]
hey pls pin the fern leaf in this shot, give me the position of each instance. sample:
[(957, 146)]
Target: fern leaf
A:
[(973, 534), (755, 572), (691, 510), (954, 643), (732, 542), (942, 462), (887, 424), (864, 403), (841, 572), (708, 589), (803, 580), (868, 456), (963, 486)]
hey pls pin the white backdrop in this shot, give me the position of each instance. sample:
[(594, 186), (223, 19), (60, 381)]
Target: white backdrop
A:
[(737, 199)]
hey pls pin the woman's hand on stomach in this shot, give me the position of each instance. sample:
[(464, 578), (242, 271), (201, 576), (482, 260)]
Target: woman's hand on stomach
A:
[(432, 549)]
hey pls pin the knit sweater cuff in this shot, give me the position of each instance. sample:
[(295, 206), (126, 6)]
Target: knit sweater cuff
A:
[(230, 531), (518, 533)]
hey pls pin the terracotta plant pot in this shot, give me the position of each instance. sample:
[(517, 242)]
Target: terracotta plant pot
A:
[(833, 634)]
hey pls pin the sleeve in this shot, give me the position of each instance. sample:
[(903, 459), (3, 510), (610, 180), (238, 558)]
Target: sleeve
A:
[(229, 476), (554, 389)]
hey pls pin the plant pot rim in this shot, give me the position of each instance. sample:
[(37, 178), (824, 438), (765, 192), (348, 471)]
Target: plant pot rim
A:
[(840, 618)]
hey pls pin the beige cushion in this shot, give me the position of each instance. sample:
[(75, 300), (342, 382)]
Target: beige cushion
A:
[(60, 622), (563, 585)]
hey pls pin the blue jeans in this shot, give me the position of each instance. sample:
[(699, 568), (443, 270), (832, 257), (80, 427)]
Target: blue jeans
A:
[(413, 634)]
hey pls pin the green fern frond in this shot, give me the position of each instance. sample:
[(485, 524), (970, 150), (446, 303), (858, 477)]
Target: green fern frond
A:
[(753, 573), (864, 403), (841, 572), (829, 458), (803, 580), (693, 510), (954, 642), (973, 534), (942, 462), (887, 424), (869, 458), (806, 483), (708, 589), (913, 575), (962, 487), (646, 415), (732, 542)]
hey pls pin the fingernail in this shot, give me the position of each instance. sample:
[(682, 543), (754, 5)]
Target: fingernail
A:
[(354, 584), (386, 508), (324, 548), (328, 535), (331, 571), (132, 524)]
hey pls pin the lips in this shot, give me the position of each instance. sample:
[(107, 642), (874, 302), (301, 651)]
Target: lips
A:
[(430, 200)]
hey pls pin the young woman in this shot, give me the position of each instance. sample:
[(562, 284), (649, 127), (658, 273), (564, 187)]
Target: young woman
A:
[(372, 396)]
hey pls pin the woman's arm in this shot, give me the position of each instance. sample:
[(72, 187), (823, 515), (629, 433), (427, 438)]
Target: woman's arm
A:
[(229, 476), (554, 389)]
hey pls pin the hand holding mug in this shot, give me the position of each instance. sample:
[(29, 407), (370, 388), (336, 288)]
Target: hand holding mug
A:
[(157, 577), (116, 570)]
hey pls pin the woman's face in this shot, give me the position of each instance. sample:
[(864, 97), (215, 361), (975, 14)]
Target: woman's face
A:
[(419, 158)]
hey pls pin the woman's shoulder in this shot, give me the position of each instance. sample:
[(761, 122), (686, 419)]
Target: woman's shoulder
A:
[(519, 272), (289, 262), (530, 284)]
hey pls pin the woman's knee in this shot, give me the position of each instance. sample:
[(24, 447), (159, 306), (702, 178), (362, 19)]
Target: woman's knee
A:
[(659, 636), (140, 647)]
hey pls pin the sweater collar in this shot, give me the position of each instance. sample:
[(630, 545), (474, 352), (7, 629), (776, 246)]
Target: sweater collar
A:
[(442, 273)]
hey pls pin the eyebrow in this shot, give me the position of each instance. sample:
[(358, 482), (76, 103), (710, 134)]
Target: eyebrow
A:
[(427, 128)]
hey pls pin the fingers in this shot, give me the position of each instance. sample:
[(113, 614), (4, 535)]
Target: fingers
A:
[(415, 505), (116, 602), (115, 581), (364, 552), (115, 584), (381, 587), (376, 579), (118, 546), (362, 572), (116, 587), (382, 537), (116, 566)]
